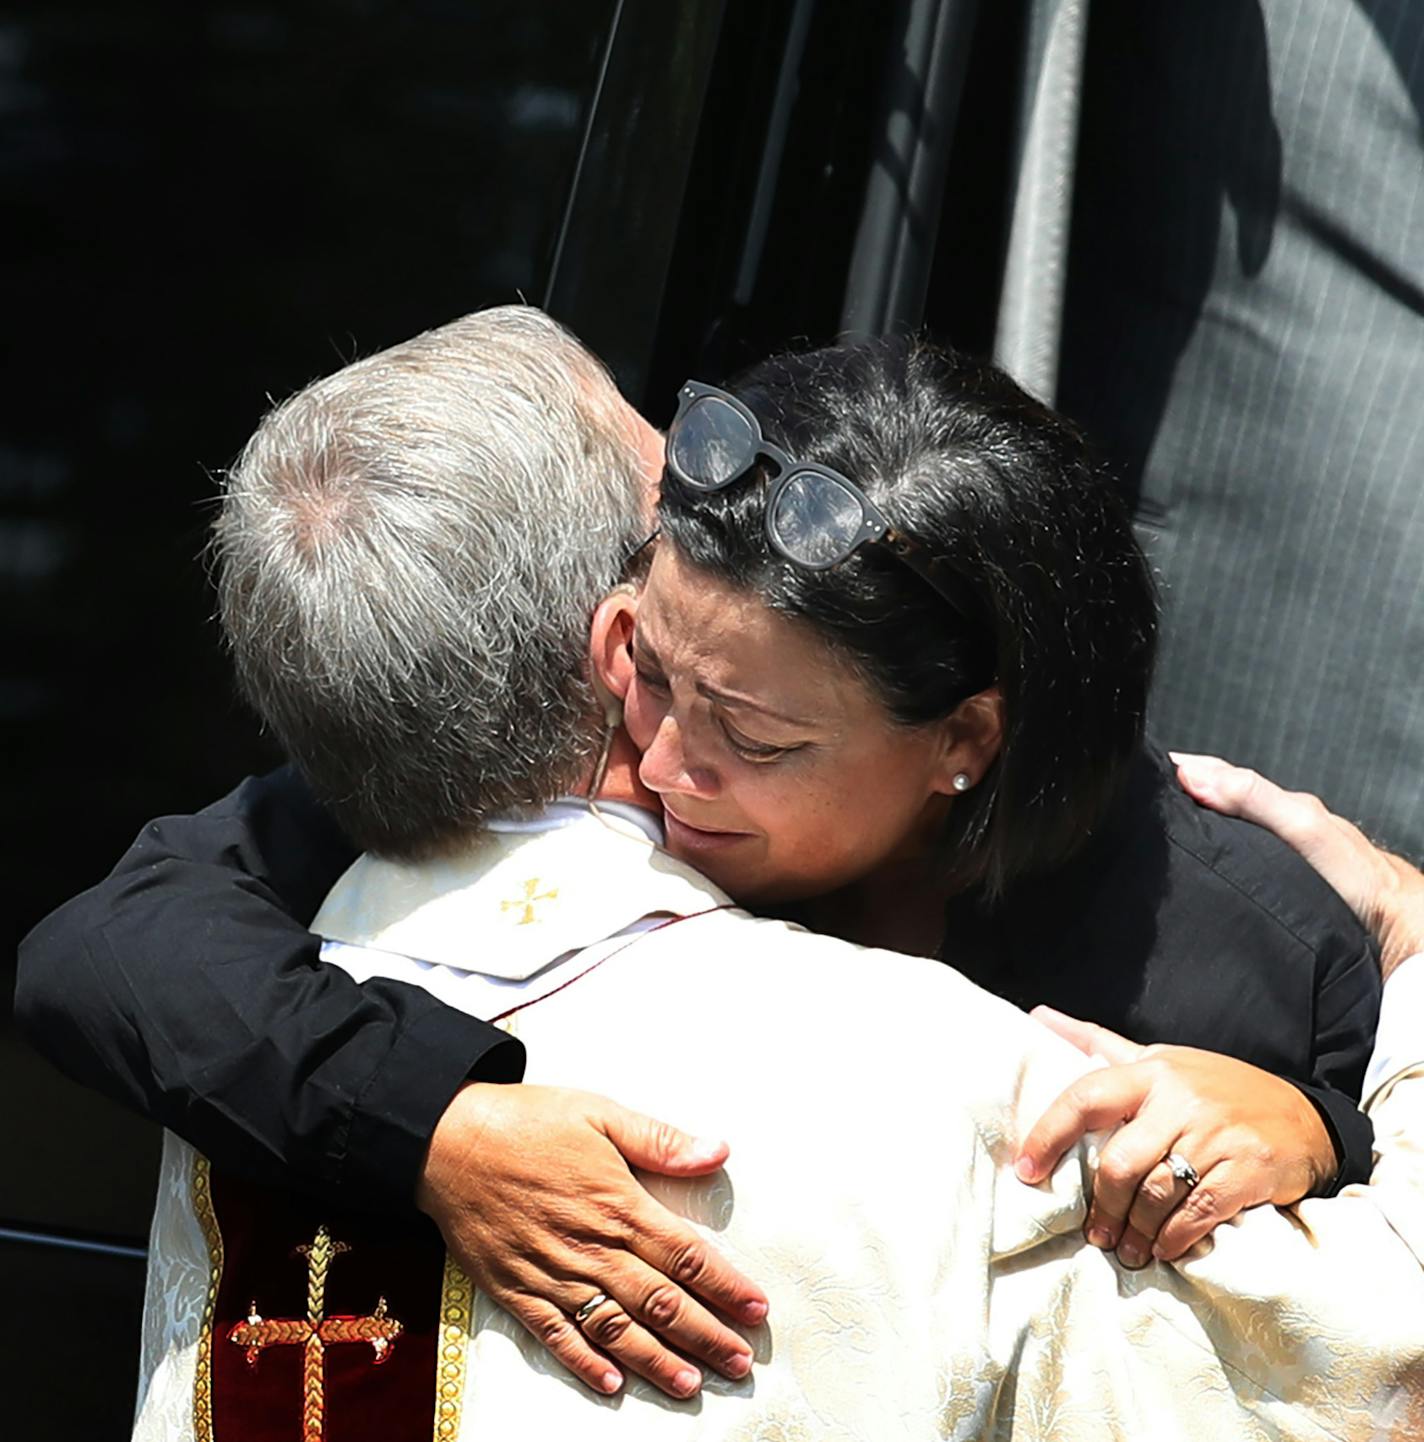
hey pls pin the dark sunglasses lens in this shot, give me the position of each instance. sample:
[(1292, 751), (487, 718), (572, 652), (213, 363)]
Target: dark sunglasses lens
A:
[(815, 520), (712, 444)]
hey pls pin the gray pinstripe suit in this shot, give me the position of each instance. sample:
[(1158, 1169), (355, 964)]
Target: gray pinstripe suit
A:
[(1244, 335)]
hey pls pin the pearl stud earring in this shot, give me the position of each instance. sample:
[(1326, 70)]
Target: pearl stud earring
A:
[(962, 783)]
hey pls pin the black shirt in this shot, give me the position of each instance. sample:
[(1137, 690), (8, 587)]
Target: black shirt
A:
[(1175, 923), (186, 984)]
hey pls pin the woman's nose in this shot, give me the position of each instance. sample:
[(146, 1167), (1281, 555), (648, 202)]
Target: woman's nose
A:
[(668, 766)]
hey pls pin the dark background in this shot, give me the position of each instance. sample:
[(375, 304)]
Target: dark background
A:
[(207, 205)]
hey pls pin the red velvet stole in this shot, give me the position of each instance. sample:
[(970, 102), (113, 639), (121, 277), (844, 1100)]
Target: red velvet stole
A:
[(298, 1390)]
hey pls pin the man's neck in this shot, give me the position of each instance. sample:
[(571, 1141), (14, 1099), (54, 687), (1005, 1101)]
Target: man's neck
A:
[(620, 778)]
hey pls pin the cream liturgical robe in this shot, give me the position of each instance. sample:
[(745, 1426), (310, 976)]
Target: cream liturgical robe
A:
[(918, 1289)]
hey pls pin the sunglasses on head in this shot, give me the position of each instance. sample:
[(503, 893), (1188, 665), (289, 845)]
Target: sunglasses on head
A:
[(815, 517)]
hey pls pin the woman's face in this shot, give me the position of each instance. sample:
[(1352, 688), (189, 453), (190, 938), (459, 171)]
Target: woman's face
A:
[(780, 774)]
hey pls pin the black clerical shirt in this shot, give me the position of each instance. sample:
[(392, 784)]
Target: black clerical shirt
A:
[(186, 985)]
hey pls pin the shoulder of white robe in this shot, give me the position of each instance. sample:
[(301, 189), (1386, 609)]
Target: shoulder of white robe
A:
[(1399, 1042)]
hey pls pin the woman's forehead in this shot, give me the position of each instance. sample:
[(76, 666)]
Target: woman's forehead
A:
[(732, 642)]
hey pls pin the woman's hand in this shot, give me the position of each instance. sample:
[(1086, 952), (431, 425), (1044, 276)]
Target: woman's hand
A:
[(531, 1189), (1251, 1137)]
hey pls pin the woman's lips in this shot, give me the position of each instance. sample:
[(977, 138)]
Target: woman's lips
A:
[(698, 838)]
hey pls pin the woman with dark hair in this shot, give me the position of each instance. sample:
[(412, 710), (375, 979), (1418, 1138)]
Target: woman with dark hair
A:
[(890, 675)]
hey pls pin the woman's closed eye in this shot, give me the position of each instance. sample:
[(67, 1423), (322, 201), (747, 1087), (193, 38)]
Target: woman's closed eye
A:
[(751, 750)]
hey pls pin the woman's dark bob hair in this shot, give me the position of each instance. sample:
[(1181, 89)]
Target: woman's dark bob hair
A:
[(1054, 599)]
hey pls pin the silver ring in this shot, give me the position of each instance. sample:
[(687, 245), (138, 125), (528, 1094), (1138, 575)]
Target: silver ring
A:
[(590, 1307), (1182, 1169)]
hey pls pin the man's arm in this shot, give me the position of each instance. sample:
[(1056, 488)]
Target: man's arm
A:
[(186, 986)]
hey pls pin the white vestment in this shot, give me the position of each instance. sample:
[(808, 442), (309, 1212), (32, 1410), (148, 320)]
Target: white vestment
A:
[(873, 1101)]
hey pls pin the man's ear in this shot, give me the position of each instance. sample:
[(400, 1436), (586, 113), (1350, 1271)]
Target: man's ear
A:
[(610, 657), (973, 736)]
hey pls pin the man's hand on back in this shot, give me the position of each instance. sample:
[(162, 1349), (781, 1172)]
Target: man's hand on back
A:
[(531, 1189), (1383, 890)]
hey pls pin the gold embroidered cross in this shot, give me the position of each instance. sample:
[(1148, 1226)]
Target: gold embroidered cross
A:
[(316, 1332), (532, 896)]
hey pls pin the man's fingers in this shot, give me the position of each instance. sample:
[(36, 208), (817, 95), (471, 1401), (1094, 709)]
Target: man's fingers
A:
[(673, 1318), (1331, 844), (1100, 1099), (1200, 775), (611, 1339), (655, 1146), (552, 1216), (610, 1327), (1088, 1036), (1295, 816), (556, 1331), (1217, 783), (674, 1249), (1387, 894)]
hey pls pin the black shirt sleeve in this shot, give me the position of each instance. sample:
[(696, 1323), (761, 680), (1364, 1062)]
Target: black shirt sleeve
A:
[(1351, 1131), (187, 986), (1347, 1002)]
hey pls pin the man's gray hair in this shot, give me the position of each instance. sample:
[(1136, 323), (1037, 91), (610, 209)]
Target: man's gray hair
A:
[(409, 555)]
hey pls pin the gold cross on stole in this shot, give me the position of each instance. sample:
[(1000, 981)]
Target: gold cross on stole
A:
[(531, 898), (316, 1332)]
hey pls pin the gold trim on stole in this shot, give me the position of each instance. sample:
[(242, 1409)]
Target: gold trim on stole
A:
[(207, 1220), (457, 1323), (456, 1315), (456, 1318)]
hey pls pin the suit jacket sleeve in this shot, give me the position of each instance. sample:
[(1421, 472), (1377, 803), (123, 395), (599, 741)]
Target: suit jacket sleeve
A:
[(186, 986)]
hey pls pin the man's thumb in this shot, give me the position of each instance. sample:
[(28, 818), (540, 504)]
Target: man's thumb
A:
[(654, 1146)]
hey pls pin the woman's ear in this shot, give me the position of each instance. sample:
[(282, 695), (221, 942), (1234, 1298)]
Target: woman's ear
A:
[(610, 655), (973, 734)]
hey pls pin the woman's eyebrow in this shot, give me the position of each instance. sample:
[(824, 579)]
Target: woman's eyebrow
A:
[(730, 698), (644, 650)]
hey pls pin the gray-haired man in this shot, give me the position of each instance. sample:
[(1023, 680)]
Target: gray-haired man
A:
[(409, 553)]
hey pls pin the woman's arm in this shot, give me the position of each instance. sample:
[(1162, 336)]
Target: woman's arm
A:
[(1250, 1137), (1252, 1146), (186, 986)]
